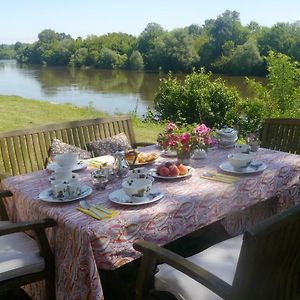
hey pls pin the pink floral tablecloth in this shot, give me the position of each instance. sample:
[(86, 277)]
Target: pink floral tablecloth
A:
[(84, 246)]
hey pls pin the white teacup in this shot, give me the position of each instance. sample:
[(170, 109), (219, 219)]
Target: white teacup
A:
[(66, 191), (63, 174), (66, 160), (141, 173), (242, 148), (240, 160), (137, 188)]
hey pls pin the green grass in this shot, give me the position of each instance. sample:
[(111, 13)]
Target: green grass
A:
[(20, 113)]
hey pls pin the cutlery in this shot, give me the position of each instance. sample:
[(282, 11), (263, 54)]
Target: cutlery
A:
[(219, 177), (212, 174), (85, 205)]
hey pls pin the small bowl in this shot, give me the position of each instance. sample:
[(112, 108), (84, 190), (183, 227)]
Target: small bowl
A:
[(66, 160), (240, 160), (136, 188)]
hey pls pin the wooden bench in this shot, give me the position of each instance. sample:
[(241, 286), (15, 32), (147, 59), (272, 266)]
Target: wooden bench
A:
[(25, 151), (282, 135)]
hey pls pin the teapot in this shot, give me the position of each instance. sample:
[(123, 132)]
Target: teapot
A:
[(227, 137)]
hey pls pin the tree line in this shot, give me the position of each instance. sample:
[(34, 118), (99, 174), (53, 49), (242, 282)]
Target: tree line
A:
[(221, 45)]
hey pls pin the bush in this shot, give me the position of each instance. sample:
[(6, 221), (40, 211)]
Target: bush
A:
[(198, 99)]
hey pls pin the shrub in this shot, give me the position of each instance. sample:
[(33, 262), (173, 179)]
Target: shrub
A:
[(197, 99)]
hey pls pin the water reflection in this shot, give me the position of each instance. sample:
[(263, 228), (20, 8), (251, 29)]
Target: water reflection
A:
[(109, 90)]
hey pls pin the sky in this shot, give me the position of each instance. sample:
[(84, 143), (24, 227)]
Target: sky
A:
[(23, 20)]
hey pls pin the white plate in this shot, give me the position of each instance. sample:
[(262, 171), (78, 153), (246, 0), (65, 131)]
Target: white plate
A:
[(169, 153), (47, 195), (120, 197), (79, 166), (155, 175), (254, 167)]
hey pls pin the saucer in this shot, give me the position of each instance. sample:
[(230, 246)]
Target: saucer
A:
[(254, 167), (80, 165), (47, 195), (120, 197)]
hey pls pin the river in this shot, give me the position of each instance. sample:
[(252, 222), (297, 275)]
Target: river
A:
[(112, 91)]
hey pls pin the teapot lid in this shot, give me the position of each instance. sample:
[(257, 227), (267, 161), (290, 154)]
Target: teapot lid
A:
[(227, 131)]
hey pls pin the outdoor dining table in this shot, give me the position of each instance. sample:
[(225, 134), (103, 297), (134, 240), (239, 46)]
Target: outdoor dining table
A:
[(84, 246)]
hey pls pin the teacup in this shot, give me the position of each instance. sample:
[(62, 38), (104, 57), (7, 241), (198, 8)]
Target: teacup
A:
[(240, 160), (66, 190), (137, 188), (242, 148), (141, 173), (63, 174), (66, 160)]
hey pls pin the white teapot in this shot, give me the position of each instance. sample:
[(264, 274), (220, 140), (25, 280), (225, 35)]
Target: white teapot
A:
[(227, 137)]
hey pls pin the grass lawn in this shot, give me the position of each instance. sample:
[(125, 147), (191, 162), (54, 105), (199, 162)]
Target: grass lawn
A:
[(18, 113)]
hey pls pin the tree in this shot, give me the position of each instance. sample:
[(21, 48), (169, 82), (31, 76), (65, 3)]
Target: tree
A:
[(136, 61), (246, 59), (110, 59)]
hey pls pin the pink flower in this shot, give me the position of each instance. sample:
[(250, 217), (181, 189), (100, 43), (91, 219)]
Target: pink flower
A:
[(202, 130), (170, 127), (184, 138)]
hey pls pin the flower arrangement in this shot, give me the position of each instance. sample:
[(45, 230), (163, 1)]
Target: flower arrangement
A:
[(184, 140)]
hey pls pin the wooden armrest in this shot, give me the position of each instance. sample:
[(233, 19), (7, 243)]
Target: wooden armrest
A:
[(153, 252), (5, 193), (27, 225)]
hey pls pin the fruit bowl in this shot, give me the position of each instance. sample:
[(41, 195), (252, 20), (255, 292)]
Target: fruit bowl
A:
[(171, 170)]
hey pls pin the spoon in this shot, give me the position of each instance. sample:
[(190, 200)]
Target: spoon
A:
[(84, 204)]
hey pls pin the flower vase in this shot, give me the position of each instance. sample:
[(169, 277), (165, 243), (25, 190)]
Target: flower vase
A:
[(199, 154), (184, 158)]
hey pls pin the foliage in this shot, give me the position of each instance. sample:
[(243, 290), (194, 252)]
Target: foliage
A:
[(197, 99), (185, 139), (280, 97), (220, 45), (136, 61), (7, 51)]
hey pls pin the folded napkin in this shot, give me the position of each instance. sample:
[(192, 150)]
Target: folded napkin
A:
[(106, 215), (219, 179), (99, 161)]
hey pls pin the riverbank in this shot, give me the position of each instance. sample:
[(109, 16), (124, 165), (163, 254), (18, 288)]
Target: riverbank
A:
[(19, 113)]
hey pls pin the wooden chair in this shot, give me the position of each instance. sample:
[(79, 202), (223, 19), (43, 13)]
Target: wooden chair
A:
[(264, 263), (282, 135), (24, 151), (24, 260)]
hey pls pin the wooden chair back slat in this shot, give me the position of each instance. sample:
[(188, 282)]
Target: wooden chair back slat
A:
[(19, 154), (282, 135), (24, 151)]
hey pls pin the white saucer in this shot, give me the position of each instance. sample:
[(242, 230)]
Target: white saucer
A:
[(47, 195), (79, 166), (254, 167), (120, 197)]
